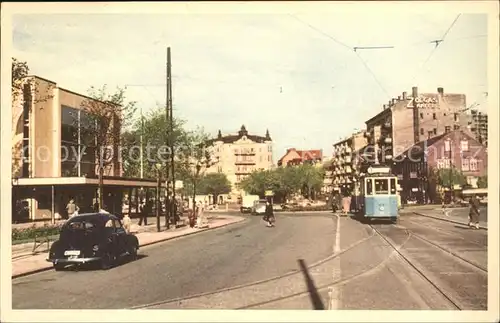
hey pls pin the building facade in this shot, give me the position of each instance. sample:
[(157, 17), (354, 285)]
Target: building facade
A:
[(54, 158), (238, 155), (457, 150), (345, 162), (479, 126), (294, 157), (407, 120)]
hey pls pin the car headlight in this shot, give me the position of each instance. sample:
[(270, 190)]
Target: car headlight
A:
[(95, 248)]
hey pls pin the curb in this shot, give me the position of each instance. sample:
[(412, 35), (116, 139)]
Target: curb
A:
[(447, 220), (35, 271)]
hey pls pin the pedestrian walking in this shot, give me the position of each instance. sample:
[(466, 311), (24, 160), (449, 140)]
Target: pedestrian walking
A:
[(72, 208), (127, 222), (446, 211), (474, 212), (200, 214), (269, 215), (143, 212)]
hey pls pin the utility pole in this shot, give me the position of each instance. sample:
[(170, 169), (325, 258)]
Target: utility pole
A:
[(142, 144), (171, 125), (168, 117)]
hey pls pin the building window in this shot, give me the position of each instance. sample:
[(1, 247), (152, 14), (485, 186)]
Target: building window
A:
[(434, 116), (421, 131), (421, 115), (78, 143), (456, 127), (443, 163), (429, 134), (435, 131), (464, 145), (473, 165), (455, 116), (465, 164), (447, 129), (268, 158)]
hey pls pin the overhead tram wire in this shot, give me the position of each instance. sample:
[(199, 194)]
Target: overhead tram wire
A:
[(354, 49), (437, 42)]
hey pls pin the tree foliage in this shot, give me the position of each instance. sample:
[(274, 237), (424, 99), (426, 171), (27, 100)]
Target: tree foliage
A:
[(482, 182), (285, 181), (105, 115), (215, 184), (443, 177), (154, 130)]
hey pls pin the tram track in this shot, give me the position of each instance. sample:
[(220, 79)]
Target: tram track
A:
[(260, 282), (410, 263), (445, 232)]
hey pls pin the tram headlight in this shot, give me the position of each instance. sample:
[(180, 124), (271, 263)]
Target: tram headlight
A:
[(381, 207)]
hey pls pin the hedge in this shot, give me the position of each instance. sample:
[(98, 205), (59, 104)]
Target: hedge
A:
[(31, 232), (308, 208)]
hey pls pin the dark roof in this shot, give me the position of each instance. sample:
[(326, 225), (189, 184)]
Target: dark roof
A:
[(419, 148), (243, 132), (304, 155), (386, 111)]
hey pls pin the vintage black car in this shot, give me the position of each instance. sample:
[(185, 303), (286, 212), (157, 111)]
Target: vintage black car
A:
[(92, 238)]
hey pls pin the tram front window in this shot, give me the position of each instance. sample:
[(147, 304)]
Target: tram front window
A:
[(393, 186), (381, 186)]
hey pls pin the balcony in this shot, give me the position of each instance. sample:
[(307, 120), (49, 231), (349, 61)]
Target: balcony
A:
[(244, 162), (243, 172), (245, 153)]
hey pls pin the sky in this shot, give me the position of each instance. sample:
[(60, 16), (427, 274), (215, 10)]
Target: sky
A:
[(294, 73)]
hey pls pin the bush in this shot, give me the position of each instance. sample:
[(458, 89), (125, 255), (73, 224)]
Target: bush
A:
[(31, 232)]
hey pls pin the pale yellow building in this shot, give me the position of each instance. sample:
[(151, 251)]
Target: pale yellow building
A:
[(238, 155)]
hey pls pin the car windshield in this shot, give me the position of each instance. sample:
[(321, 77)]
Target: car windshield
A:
[(84, 223)]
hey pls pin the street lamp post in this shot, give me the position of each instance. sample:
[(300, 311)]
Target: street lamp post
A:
[(452, 193), (158, 203)]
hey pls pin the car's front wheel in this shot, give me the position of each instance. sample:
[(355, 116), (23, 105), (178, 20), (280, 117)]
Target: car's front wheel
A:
[(107, 260), (133, 253), (59, 267)]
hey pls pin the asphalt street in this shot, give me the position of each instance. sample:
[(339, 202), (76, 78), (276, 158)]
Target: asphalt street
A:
[(290, 266)]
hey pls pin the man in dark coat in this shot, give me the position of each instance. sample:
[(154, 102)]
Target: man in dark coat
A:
[(474, 212), (269, 214)]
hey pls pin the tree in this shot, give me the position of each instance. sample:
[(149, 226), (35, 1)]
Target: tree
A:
[(101, 120), (482, 182), (215, 184), (312, 178), (195, 157), (443, 177), (153, 128), (285, 181)]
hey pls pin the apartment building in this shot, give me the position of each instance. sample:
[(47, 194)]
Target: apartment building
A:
[(407, 120), (456, 149), (294, 157), (238, 155), (54, 159), (479, 126), (344, 165), (328, 179)]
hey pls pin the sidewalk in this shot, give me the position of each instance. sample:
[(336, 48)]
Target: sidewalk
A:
[(438, 214), (24, 263)]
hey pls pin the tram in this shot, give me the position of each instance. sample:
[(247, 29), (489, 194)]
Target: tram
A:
[(379, 195)]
